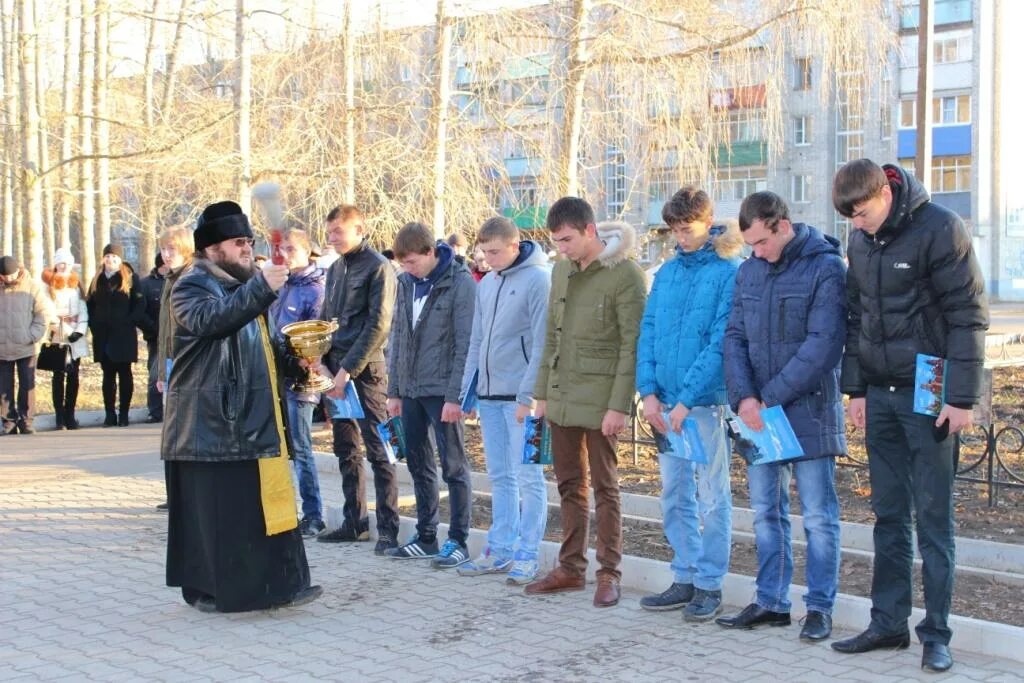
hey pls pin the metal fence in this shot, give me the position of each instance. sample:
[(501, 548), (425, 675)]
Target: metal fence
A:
[(990, 453)]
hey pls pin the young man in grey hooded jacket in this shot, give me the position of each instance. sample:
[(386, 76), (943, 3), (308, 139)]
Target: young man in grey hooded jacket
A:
[(505, 349)]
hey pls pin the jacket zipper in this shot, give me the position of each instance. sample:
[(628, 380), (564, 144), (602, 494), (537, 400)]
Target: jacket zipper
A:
[(522, 343), (490, 333), (876, 251)]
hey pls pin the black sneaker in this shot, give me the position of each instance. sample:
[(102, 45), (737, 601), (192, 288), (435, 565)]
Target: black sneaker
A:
[(415, 549), (343, 534), (676, 596), (384, 544), (311, 526), (162, 506), (452, 554), (152, 420)]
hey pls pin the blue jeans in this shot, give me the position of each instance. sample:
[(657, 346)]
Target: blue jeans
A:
[(691, 492), (300, 421), (769, 496), (519, 495)]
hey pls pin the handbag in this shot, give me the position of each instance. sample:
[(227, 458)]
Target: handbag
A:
[(54, 356)]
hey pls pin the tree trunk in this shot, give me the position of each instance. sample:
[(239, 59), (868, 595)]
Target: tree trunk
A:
[(442, 94), (243, 101), (350, 106), (30, 181), (102, 127), (575, 81), (10, 105), (148, 200), (86, 182), (46, 190), (66, 131)]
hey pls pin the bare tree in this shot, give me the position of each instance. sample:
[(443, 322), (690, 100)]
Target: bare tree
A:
[(30, 181), (102, 116), (243, 104), (63, 237), (86, 180), (8, 181)]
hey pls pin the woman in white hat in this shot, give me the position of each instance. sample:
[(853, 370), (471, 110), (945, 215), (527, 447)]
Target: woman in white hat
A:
[(65, 289)]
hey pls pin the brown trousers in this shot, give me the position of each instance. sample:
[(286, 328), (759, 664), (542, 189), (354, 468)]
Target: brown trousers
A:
[(573, 448)]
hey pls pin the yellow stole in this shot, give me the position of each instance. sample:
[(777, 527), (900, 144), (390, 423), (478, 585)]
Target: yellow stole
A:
[(276, 492)]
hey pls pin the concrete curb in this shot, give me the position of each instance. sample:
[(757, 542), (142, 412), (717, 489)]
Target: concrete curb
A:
[(850, 612), (1002, 561)]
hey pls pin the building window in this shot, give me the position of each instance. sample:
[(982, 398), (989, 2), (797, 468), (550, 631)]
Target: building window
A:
[(802, 73), (951, 110), (515, 146), (615, 181), (736, 183), (951, 174), (801, 189), (908, 111), (947, 110), (952, 50), (745, 125), (849, 121), (801, 130), (523, 195), (663, 183)]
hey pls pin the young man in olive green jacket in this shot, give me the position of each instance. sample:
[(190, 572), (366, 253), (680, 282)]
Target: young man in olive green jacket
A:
[(585, 386)]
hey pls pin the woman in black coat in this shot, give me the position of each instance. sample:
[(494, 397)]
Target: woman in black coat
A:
[(115, 305)]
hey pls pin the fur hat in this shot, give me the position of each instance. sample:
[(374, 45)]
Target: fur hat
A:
[(63, 255), (220, 221)]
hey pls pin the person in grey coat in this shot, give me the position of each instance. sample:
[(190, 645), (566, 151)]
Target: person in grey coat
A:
[(426, 355), (504, 355)]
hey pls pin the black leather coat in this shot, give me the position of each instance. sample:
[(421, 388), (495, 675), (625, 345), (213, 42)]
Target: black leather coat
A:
[(222, 394), (360, 293), (914, 287)]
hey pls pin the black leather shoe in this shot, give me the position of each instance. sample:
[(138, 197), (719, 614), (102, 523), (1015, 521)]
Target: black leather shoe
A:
[(754, 615), (870, 640), (152, 420), (936, 657), (817, 626)]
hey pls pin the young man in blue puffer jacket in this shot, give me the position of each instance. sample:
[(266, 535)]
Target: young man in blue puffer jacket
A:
[(679, 371), (782, 348)]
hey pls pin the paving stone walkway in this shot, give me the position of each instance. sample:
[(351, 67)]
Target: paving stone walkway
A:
[(83, 598)]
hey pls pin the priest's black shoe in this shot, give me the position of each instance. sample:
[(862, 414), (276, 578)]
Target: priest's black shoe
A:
[(870, 640), (754, 615), (936, 657), (817, 626)]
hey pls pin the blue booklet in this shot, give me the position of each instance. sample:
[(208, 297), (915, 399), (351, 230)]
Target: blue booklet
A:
[(392, 434), (686, 444), (470, 401), (775, 443), (929, 384), (536, 442), (347, 408), (167, 369)]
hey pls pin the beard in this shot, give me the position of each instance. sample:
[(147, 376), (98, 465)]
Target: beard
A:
[(242, 273)]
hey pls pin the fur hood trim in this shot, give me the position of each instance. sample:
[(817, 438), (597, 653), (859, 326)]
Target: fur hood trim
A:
[(68, 280), (728, 242), (619, 242)]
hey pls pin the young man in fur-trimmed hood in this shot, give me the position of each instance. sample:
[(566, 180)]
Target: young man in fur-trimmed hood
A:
[(679, 375), (585, 385)]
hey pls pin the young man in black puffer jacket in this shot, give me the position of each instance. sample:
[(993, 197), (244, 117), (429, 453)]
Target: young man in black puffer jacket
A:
[(913, 287)]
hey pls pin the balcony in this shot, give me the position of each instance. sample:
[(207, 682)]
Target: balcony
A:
[(527, 217), (518, 167), (946, 141), (946, 12), (743, 154)]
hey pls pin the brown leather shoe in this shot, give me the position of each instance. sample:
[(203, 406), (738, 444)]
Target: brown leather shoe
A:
[(557, 580), (607, 593)]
